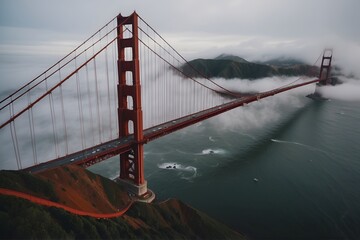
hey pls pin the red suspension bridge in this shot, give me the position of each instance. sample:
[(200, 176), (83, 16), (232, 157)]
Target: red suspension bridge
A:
[(121, 88)]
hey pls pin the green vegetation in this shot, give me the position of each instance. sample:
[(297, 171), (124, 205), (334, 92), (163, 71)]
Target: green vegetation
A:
[(91, 175), (28, 183), (174, 219), (232, 58), (22, 219), (283, 62), (114, 192), (227, 69)]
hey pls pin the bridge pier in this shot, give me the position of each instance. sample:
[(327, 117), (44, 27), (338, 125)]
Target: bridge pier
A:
[(130, 115), (138, 192)]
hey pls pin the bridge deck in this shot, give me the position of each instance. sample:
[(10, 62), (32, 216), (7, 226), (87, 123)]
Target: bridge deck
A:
[(114, 147)]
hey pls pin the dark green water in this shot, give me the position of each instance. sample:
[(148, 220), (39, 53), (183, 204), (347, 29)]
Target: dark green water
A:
[(307, 166)]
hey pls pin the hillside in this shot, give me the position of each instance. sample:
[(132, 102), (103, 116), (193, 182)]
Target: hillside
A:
[(229, 66), (80, 189)]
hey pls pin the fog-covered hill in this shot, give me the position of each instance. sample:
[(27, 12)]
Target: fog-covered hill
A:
[(229, 66)]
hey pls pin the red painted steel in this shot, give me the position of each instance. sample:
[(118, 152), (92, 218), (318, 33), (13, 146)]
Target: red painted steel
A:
[(132, 151), (161, 130), (54, 87), (131, 162), (325, 67), (203, 115)]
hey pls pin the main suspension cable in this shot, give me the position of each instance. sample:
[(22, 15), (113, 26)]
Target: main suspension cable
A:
[(291, 83), (188, 63), (58, 62), (172, 65)]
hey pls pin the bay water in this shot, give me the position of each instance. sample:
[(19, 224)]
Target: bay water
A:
[(295, 177)]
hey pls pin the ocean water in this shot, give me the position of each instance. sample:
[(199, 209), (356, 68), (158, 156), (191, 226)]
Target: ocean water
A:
[(292, 177)]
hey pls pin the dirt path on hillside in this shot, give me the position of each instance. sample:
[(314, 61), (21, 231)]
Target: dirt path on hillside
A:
[(48, 203)]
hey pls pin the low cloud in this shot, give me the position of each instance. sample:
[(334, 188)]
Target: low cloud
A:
[(271, 110), (349, 90)]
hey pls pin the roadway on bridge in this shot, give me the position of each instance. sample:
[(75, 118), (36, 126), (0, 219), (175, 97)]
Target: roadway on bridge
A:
[(114, 147), (111, 148)]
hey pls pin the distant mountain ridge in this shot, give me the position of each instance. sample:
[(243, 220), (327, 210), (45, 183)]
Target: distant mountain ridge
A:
[(231, 57), (282, 62), (230, 66)]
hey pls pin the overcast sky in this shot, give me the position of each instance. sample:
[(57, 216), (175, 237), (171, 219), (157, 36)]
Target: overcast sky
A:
[(197, 28)]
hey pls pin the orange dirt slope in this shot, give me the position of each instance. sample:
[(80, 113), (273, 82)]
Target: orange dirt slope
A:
[(83, 190)]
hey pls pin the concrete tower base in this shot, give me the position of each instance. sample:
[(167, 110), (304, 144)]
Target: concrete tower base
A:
[(138, 193)]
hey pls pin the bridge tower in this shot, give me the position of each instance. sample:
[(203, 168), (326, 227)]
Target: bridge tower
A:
[(323, 75), (325, 67), (129, 108)]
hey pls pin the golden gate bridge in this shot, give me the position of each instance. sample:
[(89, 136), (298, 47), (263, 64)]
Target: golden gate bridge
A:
[(120, 89)]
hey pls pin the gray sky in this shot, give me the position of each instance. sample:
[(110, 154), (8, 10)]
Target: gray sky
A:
[(253, 29)]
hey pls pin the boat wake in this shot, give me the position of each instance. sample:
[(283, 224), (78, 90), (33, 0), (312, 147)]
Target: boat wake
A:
[(247, 135), (210, 151), (185, 172), (183, 152), (207, 151), (340, 113), (243, 134), (300, 144), (212, 139), (157, 153)]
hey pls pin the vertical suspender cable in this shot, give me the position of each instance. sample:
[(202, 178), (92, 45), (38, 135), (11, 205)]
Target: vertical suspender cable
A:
[(79, 100), (97, 96), (114, 85), (63, 116), (13, 136), (177, 79), (141, 63), (12, 130), (34, 134), (53, 121), (161, 88), (108, 91), (165, 90), (156, 87), (108, 85), (16, 140), (90, 105), (64, 120), (143, 92), (152, 87), (97, 101), (148, 74), (194, 104), (31, 129)]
